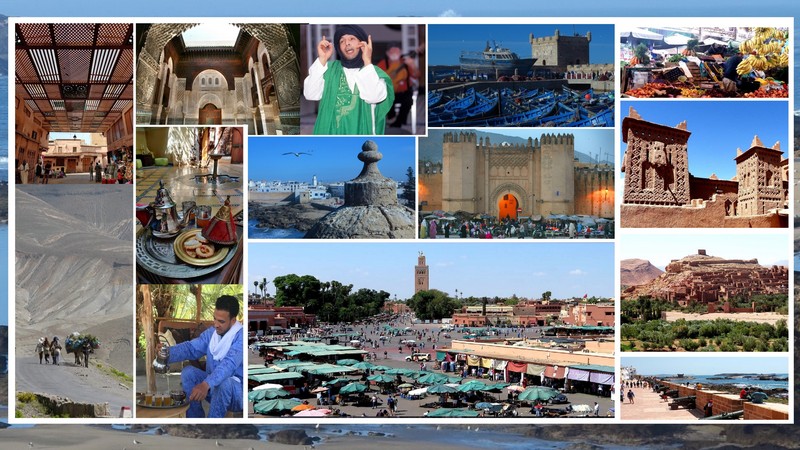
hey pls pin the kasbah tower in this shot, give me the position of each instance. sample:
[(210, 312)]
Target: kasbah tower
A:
[(421, 274), (540, 177)]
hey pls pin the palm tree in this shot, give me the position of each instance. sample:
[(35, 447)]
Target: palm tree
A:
[(255, 286)]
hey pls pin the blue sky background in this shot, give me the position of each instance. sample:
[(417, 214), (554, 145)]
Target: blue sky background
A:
[(660, 249), (718, 128), (423, 8), (332, 158), (481, 269), (705, 365), (445, 42)]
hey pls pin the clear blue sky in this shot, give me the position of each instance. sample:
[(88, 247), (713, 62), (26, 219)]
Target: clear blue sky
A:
[(332, 158), (704, 365), (589, 141), (423, 8), (445, 42), (718, 128), (662, 247), (481, 269)]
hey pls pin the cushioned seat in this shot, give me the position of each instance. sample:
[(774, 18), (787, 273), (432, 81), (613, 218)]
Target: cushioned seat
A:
[(138, 163), (162, 161)]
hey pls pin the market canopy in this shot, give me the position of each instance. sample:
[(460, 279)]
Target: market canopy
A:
[(269, 394), (278, 376), (641, 33), (453, 412), (537, 393), (353, 388), (329, 369), (279, 404)]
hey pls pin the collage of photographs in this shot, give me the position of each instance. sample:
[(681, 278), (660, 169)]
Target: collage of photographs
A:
[(542, 223)]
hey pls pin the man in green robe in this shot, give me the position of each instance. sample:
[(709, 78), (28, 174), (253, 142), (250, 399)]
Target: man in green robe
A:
[(354, 95)]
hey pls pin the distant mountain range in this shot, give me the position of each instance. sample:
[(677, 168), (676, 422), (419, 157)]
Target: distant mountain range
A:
[(430, 148), (635, 272)]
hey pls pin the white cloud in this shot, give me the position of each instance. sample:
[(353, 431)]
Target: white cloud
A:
[(538, 274), (449, 13), (577, 272)]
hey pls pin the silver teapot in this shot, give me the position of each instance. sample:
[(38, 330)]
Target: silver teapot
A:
[(161, 362), (161, 215)]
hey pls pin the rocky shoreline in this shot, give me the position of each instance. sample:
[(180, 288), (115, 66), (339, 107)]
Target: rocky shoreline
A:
[(282, 216)]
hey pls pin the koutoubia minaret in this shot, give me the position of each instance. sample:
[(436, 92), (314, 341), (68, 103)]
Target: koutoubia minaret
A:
[(421, 275)]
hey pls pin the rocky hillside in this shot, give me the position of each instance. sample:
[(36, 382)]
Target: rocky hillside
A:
[(702, 277), (634, 272), (74, 265)]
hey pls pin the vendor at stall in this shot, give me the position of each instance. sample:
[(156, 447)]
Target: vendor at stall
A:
[(729, 75)]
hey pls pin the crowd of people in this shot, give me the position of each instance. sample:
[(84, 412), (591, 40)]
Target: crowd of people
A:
[(490, 228)]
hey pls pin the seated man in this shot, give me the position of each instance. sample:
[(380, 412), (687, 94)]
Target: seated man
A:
[(221, 383), (354, 95)]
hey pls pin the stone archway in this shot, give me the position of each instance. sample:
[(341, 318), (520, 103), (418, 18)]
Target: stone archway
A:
[(507, 207), (503, 195)]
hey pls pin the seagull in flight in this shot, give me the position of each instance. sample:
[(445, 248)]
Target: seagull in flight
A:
[(297, 154)]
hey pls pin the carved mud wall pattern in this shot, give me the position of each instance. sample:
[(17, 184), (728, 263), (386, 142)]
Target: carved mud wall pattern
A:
[(641, 189)]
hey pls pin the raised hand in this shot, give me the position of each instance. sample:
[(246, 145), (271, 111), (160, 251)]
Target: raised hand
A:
[(366, 50), (324, 50)]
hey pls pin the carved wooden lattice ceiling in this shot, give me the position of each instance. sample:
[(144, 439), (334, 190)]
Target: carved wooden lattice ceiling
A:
[(77, 77)]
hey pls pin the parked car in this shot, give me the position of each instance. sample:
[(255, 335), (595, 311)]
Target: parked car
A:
[(419, 357), (559, 399)]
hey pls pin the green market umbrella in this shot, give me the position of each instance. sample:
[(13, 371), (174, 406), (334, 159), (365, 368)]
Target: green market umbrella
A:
[(401, 371), (537, 393), (268, 394), (472, 386), (353, 388), (433, 378), (347, 362), (278, 404), (382, 368), (363, 365), (336, 381), (442, 389), (405, 386), (453, 412), (381, 378)]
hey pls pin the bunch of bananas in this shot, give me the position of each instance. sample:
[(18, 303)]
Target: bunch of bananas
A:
[(767, 49)]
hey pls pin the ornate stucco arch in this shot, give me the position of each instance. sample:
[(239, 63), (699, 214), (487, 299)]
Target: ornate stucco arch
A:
[(212, 98), (277, 39)]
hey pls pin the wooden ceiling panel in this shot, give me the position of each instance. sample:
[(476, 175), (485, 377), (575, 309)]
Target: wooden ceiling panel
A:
[(74, 34), (74, 65), (81, 68)]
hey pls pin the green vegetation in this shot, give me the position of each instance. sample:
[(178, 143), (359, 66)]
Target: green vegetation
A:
[(778, 303), (409, 194), (433, 305), (721, 335), (26, 397), (121, 376), (332, 302)]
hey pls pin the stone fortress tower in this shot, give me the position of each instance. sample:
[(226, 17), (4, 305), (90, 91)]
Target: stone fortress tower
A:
[(559, 51), (540, 177)]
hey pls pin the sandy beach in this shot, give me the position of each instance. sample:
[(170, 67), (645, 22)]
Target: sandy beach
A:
[(102, 438)]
